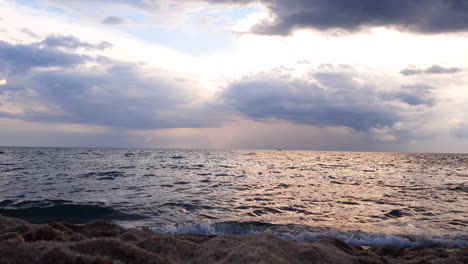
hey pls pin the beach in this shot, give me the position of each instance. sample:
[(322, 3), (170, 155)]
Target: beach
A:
[(106, 242)]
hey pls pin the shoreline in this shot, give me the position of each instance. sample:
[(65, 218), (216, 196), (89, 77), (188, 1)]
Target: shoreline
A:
[(105, 242)]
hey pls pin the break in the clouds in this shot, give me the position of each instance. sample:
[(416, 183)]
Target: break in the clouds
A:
[(434, 69)]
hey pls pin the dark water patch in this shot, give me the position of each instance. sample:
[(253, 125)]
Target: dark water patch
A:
[(42, 211), (458, 223), (262, 199), (149, 175), (167, 185), (10, 170), (336, 182), (108, 178), (347, 202), (295, 210), (203, 174), (106, 175), (457, 188), (264, 211), (209, 216), (332, 166), (428, 214), (188, 207), (126, 167), (177, 157), (205, 181), (222, 174), (7, 164), (181, 182), (382, 202), (283, 186), (394, 214)]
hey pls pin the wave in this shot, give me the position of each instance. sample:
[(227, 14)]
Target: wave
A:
[(43, 211), (310, 234)]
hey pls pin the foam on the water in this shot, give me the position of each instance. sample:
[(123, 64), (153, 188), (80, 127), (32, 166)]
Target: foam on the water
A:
[(315, 235)]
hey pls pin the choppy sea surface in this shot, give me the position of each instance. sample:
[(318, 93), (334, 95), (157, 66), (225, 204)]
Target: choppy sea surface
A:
[(362, 198)]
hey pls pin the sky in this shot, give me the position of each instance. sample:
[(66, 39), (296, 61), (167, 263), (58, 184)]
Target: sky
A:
[(333, 75)]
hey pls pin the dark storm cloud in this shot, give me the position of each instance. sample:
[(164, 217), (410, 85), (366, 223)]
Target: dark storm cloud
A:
[(20, 58), (113, 20), (324, 99), (434, 69), (425, 16)]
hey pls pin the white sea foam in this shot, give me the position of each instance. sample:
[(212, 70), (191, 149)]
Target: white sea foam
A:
[(354, 238)]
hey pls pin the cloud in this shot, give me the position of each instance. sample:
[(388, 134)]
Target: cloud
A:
[(424, 16), (461, 130), (20, 58), (113, 20), (29, 33), (324, 98), (71, 42), (434, 69), (93, 90), (412, 95)]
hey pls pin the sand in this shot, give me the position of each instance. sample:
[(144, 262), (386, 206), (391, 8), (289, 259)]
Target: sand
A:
[(105, 242)]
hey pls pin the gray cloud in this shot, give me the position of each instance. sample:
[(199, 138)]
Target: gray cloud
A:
[(323, 99), (461, 131), (425, 16), (16, 59), (109, 93), (434, 69), (412, 95), (28, 32), (113, 20), (71, 42)]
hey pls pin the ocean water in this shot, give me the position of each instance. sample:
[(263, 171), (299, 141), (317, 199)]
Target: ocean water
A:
[(362, 198)]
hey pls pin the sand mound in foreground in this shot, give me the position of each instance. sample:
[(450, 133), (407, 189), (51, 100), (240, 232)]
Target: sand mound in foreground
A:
[(105, 242)]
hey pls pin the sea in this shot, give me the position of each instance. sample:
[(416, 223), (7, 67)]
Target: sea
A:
[(363, 198)]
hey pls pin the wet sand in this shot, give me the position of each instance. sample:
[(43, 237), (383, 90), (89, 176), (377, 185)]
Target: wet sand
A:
[(105, 242)]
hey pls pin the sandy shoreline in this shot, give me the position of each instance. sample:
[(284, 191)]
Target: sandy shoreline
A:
[(105, 242)]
